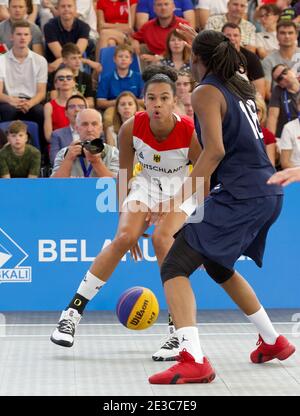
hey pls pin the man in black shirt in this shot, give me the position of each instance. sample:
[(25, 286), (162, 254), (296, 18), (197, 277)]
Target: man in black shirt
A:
[(64, 28), (255, 72)]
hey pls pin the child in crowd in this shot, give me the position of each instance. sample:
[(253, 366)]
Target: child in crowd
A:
[(17, 158)]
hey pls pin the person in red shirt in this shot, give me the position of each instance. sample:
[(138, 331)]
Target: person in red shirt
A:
[(115, 21), (154, 33)]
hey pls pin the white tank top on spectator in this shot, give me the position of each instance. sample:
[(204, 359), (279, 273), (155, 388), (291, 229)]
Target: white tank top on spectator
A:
[(215, 6)]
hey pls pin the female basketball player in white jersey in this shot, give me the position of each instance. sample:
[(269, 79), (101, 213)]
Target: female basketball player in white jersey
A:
[(163, 143)]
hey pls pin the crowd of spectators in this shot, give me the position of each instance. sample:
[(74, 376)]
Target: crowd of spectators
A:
[(52, 73)]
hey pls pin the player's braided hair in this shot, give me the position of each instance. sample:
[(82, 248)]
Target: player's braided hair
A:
[(222, 59), (159, 74)]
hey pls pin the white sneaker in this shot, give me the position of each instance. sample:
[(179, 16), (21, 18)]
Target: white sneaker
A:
[(169, 349), (64, 333)]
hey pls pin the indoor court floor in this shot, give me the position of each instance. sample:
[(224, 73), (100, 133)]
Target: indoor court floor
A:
[(110, 360)]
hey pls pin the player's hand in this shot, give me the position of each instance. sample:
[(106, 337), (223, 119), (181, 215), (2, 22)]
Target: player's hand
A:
[(285, 177), (136, 252), (187, 32), (159, 211)]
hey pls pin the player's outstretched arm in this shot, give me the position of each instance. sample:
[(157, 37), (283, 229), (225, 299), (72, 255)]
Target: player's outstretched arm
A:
[(285, 177)]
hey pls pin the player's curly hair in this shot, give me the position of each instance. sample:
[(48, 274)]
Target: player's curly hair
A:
[(222, 59), (159, 74)]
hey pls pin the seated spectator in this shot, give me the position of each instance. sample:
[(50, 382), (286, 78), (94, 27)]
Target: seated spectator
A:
[(269, 137), (183, 8), (17, 12), (177, 53), (115, 21), (287, 54), (72, 59), (76, 161), (64, 28), (122, 79), (290, 143), (47, 11), (66, 135), (125, 107), (184, 84), (254, 71), (153, 34), (87, 13), (54, 111), (282, 105), (206, 8), (23, 80), (266, 40), (287, 12), (187, 102), (32, 7), (235, 14), (19, 159)]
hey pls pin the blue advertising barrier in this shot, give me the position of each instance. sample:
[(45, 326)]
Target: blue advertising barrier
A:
[(50, 231)]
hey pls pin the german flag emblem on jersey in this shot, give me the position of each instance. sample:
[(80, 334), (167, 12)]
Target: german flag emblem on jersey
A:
[(156, 158)]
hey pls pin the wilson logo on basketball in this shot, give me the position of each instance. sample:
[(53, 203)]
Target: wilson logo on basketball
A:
[(140, 313)]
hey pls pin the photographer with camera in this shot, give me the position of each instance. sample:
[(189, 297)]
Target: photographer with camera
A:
[(89, 156)]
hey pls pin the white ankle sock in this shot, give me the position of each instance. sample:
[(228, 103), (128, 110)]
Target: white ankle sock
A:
[(189, 339), (90, 285), (264, 326)]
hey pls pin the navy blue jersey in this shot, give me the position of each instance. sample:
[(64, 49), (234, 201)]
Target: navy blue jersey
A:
[(245, 168)]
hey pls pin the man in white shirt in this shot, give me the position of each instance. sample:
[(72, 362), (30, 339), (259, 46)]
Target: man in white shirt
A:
[(290, 142), (206, 8), (23, 79)]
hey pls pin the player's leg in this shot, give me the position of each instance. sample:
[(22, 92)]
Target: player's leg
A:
[(131, 226), (162, 240), (180, 262), (271, 344)]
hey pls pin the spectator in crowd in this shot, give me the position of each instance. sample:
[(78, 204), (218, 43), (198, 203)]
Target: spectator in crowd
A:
[(282, 105), (125, 107), (86, 12), (286, 55), (269, 137), (187, 103), (66, 135), (72, 58), (23, 80), (290, 142), (54, 110), (47, 11), (235, 14), (153, 34), (177, 53), (184, 84), (287, 12), (17, 13), (76, 161), (206, 8), (32, 7), (64, 28), (182, 8), (115, 21), (266, 40), (255, 71), (19, 159), (121, 79)]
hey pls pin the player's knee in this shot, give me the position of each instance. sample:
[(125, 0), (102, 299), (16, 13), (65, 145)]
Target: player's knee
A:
[(171, 269), (218, 273), (160, 241), (124, 240)]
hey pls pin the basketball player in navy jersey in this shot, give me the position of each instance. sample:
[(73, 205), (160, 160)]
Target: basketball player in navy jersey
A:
[(163, 143), (285, 177), (237, 214)]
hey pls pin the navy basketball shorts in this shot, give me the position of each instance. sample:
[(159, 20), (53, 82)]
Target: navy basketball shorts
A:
[(233, 227)]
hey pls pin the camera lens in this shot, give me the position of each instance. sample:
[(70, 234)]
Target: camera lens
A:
[(93, 146)]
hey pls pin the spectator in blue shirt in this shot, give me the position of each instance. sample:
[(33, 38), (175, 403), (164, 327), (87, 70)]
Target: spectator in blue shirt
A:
[(121, 79), (182, 8)]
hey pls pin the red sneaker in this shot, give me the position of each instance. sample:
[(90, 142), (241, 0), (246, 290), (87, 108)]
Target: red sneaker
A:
[(186, 371), (282, 349)]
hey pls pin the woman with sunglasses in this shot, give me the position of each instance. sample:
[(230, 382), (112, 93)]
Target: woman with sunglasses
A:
[(54, 110)]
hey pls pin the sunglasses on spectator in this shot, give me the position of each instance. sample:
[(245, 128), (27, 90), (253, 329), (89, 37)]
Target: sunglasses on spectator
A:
[(281, 75), (64, 78), (79, 106)]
